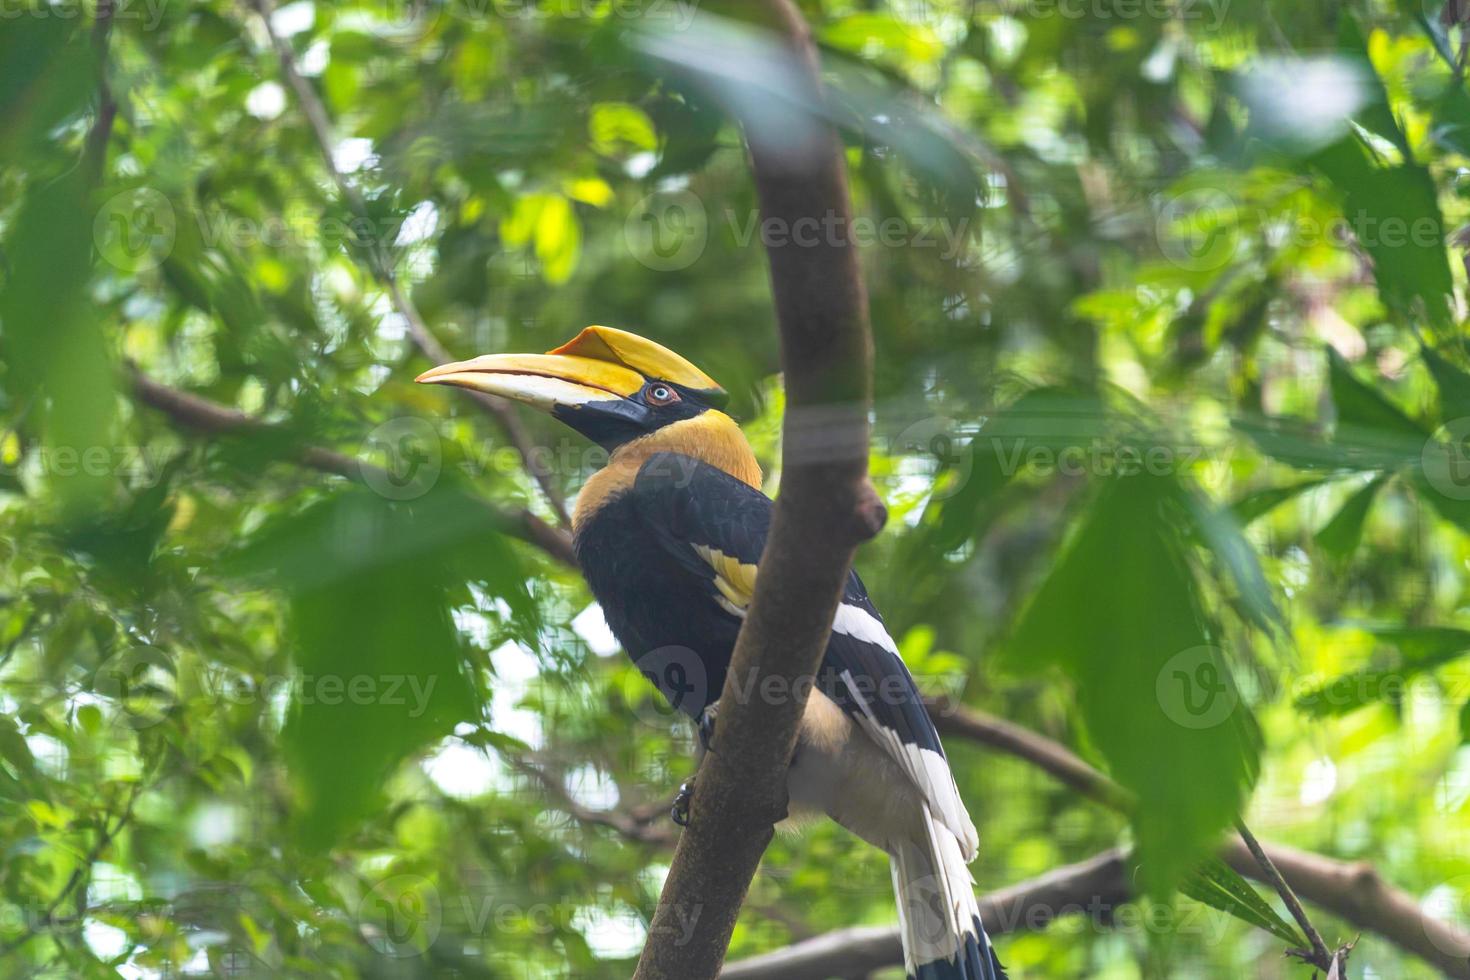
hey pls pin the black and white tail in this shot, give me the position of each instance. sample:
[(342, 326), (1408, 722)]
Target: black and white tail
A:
[(937, 913)]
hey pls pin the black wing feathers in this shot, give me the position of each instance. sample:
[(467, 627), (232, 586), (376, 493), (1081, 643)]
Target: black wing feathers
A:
[(688, 502)]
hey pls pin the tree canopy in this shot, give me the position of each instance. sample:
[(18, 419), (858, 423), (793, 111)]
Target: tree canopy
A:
[(1171, 417)]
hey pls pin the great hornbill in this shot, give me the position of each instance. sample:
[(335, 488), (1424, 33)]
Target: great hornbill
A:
[(669, 534)]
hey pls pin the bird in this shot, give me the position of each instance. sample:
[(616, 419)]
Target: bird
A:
[(668, 534)]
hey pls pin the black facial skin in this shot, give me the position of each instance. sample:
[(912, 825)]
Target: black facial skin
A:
[(612, 423)]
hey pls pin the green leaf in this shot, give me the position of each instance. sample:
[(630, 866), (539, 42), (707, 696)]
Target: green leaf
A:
[(1339, 538), (55, 349), (1465, 723), (1046, 418), (380, 664), (1393, 213), (1257, 503), (1217, 885), (1375, 114), (1221, 533), (1452, 120), (1120, 614), (47, 72), (1368, 424), (1363, 406), (1298, 444), (1453, 385), (1421, 650)]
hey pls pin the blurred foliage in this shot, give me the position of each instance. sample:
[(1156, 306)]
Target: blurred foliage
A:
[(1173, 418)]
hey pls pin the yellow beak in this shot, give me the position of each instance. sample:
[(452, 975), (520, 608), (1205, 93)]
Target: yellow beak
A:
[(544, 381)]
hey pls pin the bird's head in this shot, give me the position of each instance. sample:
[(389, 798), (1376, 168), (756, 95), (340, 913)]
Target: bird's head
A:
[(610, 385)]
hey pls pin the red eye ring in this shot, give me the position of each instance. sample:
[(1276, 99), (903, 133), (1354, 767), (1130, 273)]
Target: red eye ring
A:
[(660, 394)]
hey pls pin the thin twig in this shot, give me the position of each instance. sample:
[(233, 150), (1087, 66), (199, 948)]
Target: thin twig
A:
[(1352, 891), (645, 828), (94, 154), (382, 268), (189, 411), (1319, 956), (78, 874)]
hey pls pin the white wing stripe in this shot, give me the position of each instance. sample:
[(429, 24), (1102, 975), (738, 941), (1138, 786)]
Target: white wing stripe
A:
[(858, 623), (928, 769)]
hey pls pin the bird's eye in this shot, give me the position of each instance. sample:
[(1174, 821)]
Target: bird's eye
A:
[(660, 395)]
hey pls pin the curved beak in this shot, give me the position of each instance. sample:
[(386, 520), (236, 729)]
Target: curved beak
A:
[(544, 381)]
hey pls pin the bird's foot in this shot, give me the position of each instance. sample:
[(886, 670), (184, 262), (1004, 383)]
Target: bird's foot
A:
[(679, 812), (707, 725)]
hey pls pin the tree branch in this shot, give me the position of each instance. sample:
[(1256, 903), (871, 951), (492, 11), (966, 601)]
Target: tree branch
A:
[(1357, 893), (1317, 955), (1354, 892), (1093, 887), (644, 828), (48, 915), (94, 153), (382, 268), (825, 509), (201, 415), (953, 719)]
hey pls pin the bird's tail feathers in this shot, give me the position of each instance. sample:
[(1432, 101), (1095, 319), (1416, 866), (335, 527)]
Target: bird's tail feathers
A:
[(937, 912)]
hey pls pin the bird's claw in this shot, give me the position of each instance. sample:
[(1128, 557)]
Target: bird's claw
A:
[(679, 812), (707, 725)]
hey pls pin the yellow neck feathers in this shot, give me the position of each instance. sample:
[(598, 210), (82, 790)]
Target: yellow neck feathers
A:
[(710, 436)]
